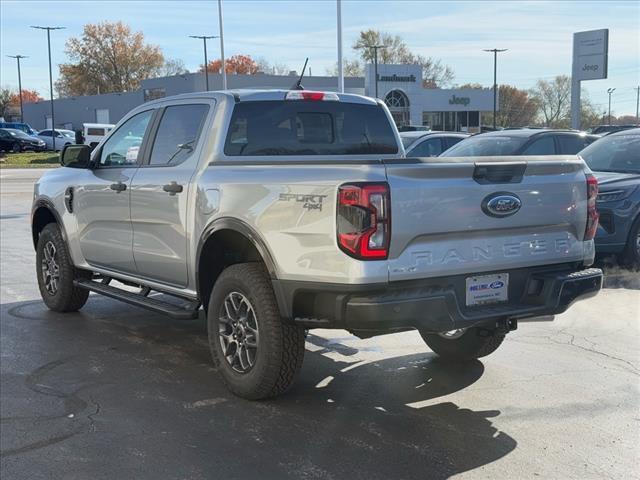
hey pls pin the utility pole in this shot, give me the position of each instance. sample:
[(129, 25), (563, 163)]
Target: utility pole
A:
[(637, 89), (204, 39), (495, 80), (375, 63), (53, 122), (18, 57), (224, 70), (610, 91), (340, 65)]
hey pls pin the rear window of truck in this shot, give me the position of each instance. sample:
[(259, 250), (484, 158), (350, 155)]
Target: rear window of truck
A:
[(308, 128)]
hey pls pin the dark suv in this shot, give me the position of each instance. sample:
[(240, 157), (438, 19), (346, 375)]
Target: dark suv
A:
[(527, 141)]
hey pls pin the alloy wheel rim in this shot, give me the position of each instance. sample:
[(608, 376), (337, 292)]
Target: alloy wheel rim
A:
[(453, 334), (50, 268), (638, 243), (238, 332)]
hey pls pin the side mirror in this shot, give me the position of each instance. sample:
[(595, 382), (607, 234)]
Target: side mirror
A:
[(75, 156)]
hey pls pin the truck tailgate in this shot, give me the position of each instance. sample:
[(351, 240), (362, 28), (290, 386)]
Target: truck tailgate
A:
[(441, 224)]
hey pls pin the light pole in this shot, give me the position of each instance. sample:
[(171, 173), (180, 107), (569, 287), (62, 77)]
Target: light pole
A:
[(18, 57), (53, 122), (224, 70), (204, 39), (637, 89), (375, 63), (340, 64), (495, 80), (610, 91)]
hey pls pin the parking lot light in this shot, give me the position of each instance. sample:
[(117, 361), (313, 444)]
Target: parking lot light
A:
[(53, 122), (495, 80), (204, 39), (18, 57)]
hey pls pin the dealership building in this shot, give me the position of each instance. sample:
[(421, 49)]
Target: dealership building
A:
[(400, 86)]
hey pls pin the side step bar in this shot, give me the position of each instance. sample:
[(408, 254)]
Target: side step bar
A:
[(189, 312)]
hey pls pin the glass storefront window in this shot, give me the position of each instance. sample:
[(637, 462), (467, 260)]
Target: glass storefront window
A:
[(452, 121)]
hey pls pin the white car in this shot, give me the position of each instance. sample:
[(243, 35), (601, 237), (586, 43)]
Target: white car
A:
[(63, 137)]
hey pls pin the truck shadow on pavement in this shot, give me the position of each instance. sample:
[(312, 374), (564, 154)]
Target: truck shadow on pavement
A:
[(135, 394)]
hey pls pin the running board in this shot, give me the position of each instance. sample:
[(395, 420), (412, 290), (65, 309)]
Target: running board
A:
[(189, 312)]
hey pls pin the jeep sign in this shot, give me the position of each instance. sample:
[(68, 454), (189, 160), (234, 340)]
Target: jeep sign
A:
[(590, 55), (590, 52), (459, 100)]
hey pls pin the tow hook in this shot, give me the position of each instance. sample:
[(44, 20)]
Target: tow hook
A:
[(506, 326)]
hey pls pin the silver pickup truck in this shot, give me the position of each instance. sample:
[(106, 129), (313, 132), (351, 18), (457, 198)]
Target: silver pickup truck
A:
[(282, 211)]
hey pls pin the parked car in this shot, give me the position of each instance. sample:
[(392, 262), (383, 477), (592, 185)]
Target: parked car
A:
[(280, 211), (606, 129), (526, 141), (414, 128), (429, 144), (25, 127), (63, 137), (615, 161), (93, 133), (16, 141)]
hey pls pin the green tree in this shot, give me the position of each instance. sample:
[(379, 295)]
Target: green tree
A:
[(108, 57)]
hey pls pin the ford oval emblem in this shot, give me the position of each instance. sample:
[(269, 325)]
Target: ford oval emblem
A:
[(501, 204)]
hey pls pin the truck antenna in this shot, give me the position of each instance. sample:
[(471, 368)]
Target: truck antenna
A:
[(298, 85)]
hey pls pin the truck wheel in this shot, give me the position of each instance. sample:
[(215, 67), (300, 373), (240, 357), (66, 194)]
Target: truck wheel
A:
[(257, 354), (631, 254), (56, 273), (464, 344)]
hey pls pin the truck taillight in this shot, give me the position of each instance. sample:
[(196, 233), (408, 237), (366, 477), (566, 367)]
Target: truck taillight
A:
[(364, 220), (592, 210)]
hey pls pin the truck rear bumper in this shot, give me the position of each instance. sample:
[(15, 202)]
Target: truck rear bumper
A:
[(435, 305)]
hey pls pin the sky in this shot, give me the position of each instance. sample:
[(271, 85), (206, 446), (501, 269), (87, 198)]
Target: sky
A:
[(537, 34)]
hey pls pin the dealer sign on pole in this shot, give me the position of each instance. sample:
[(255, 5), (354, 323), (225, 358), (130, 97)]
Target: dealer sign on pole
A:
[(590, 59)]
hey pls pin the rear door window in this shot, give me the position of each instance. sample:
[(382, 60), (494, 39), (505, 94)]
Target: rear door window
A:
[(571, 144), (541, 146), (428, 148), (308, 128), (178, 134)]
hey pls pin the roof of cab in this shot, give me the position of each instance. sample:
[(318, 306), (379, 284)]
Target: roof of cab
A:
[(257, 95)]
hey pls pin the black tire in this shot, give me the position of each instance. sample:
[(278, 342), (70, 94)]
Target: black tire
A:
[(631, 253), (65, 297), (280, 346), (16, 148), (475, 342)]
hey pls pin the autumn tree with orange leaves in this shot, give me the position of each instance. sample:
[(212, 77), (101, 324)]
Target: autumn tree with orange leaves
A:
[(238, 65), (108, 57), (28, 96)]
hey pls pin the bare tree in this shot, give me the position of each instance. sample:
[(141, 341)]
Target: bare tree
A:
[(172, 66), (5, 100), (272, 69), (554, 100), (434, 73), (351, 68)]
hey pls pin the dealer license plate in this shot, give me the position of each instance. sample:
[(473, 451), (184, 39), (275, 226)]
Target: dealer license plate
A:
[(483, 289)]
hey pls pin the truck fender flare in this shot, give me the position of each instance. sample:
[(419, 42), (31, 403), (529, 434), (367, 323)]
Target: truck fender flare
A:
[(48, 205), (228, 223)]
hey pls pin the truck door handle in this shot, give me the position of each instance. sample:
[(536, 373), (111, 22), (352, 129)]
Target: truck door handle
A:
[(172, 188), (118, 187)]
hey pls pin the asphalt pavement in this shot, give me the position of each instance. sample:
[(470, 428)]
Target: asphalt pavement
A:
[(115, 392)]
